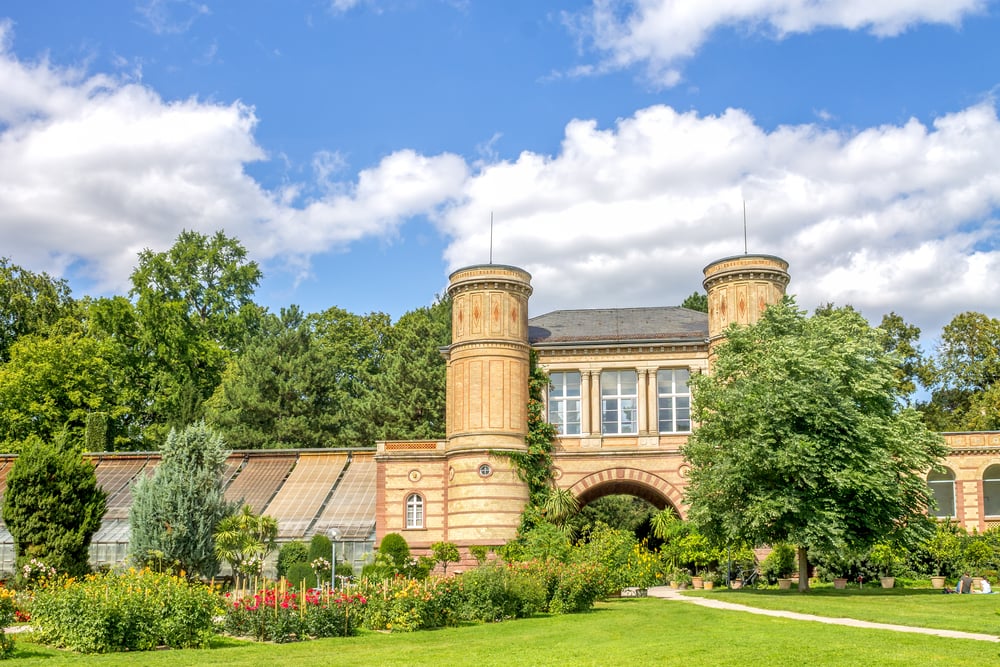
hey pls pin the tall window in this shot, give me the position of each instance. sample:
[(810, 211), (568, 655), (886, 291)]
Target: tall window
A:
[(564, 402), (619, 399), (991, 491), (414, 511), (674, 400), (942, 485)]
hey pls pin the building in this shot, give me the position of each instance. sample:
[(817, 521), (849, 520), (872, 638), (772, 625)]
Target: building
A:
[(619, 395)]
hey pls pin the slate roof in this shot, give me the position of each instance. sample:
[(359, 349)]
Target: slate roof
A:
[(618, 325)]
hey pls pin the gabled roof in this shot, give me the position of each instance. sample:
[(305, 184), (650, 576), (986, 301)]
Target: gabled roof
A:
[(668, 324)]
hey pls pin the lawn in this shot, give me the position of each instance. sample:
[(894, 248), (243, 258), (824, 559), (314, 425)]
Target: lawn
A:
[(621, 632), (919, 607)]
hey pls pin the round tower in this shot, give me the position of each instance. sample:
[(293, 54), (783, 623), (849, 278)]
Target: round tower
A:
[(487, 396), (740, 288)]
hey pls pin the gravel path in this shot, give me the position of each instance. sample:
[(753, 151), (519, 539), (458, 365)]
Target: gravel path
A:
[(670, 594)]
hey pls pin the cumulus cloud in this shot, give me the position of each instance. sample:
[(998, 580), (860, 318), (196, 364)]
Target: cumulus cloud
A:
[(896, 217), (660, 34), (94, 168)]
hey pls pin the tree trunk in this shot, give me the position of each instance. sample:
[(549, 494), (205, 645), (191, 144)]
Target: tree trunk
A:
[(803, 569)]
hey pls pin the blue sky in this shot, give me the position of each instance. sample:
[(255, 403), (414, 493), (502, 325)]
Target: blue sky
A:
[(358, 147)]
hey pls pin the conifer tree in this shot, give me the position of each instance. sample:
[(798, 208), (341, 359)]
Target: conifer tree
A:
[(176, 510), (53, 506)]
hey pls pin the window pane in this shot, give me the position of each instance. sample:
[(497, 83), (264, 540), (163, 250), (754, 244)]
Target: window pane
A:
[(944, 495), (991, 497), (572, 384)]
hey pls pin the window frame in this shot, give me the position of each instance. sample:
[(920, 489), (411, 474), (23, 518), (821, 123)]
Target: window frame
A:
[(945, 480), (991, 483), (413, 511), (560, 402), (621, 401), (673, 396)]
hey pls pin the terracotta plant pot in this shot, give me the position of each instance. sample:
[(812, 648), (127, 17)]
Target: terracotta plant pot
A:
[(784, 584), (937, 582), (736, 584), (840, 583), (697, 582), (709, 585), (888, 582)]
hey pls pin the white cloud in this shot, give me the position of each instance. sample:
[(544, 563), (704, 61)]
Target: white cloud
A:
[(660, 34), (93, 169), (897, 217), (170, 17)]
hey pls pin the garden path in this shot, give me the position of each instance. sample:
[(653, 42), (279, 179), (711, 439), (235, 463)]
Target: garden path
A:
[(670, 594)]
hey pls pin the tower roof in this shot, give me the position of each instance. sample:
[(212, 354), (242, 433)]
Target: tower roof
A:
[(618, 325)]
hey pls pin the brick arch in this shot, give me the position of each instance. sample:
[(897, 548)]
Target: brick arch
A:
[(628, 481)]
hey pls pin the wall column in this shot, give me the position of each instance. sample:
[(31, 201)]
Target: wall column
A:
[(585, 403)]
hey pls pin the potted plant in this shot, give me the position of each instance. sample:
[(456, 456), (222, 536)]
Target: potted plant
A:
[(884, 557), (944, 547), (780, 564), (683, 579)]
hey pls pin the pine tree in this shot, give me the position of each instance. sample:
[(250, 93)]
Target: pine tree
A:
[(52, 507), (175, 511)]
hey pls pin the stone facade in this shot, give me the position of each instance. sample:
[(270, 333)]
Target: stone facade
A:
[(619, 396)]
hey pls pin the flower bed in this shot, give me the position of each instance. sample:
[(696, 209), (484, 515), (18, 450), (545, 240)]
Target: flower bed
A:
[(279, 614), (124, 611)]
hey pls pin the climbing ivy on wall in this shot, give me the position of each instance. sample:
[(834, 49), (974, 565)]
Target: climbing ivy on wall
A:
[(534, 465)]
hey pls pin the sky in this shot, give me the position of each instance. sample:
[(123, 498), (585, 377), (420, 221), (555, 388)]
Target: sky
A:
[(359, 149)]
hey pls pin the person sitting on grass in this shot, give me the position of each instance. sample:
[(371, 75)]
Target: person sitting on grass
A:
[(964, 584), (984, 586)]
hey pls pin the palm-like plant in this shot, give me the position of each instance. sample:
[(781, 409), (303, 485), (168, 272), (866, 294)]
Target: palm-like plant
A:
[(244, 540), (560, 505)]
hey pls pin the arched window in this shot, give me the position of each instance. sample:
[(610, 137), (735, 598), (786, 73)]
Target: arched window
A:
[(942, 486), (991, 491), (414, 511)]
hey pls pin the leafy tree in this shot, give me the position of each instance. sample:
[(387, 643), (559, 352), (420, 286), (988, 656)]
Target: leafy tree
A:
[(51, 386), (245, 540), (29, 303), (193, 308), (53, 506), (281, 392), (801, 437), (175, 511), (696, 301), (904, 340), (444, 553), (409, 399), (354, 347), (964, 375)]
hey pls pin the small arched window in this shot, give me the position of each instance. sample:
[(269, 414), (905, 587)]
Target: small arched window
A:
[(991, 491), (942, 486), (414, 511)]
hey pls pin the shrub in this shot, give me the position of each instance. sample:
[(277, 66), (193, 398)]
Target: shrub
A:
[(497, 592), (579, 585), (301, 574), (290, 553), (395, 548), (124, 611), (479, 552), (780, 563), (320, 546)]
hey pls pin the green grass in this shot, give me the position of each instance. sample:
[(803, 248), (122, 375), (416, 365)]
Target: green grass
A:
[(925, 608), (623, 632)]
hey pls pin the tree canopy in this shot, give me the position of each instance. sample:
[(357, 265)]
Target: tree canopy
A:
[(802, 437)]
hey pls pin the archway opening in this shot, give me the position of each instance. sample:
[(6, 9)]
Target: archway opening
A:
[(624, 505)]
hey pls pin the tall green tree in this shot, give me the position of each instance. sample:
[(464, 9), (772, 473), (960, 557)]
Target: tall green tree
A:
[(355, 348), (965, 374), (53, 384), (176, 510), (193, 309), (280, 392), (696, 301), (408, 401), (245, 540), (29, 302), (903, 339), (53, 506), (801, 437)]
